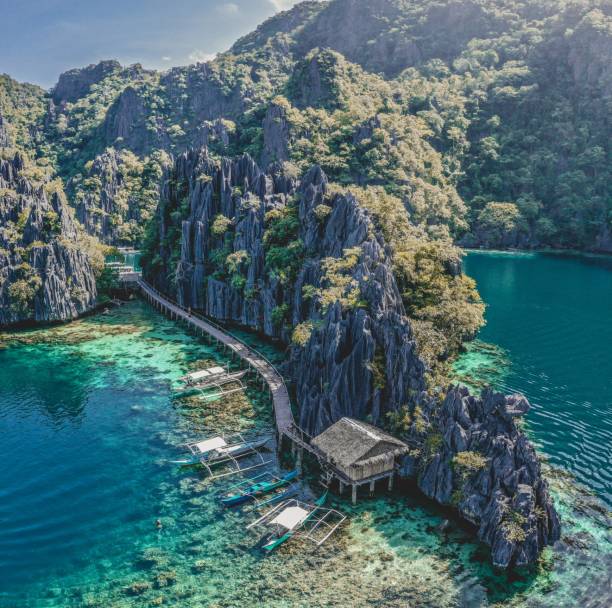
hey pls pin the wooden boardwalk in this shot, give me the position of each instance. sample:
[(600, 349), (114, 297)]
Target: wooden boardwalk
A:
[(255, 360), (283, 415)]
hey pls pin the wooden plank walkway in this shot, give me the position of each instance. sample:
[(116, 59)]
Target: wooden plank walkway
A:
[(267, 371), (255, 360)]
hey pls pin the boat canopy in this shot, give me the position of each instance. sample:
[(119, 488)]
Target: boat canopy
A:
[(205, 373), (210, 444), (291, 517)]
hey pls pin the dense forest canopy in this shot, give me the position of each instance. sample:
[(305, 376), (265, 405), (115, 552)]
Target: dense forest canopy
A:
[(489, 117)]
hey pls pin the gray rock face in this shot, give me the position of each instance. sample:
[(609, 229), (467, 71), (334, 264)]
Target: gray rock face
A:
[(44, 275), (76, 83), (276, 136), (95, 210), (359, 359), (351, 350), (125, 121), (485, 466), (5, 139)]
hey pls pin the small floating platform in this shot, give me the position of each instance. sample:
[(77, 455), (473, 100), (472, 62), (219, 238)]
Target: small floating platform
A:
[(296, 519)]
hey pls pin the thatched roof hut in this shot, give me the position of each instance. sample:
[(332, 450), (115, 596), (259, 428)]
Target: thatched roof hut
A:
[(359, 450)]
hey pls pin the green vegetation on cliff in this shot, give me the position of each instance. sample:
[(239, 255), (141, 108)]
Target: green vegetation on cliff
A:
[(451, 105)]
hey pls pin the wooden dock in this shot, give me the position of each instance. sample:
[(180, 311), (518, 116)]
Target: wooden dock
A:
[(255, 360), (283, 415)]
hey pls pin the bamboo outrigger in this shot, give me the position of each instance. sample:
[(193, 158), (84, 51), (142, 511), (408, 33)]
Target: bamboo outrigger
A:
[(217, 383), (294, 518)]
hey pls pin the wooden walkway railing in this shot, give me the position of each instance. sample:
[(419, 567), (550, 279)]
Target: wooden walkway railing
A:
[(280, 395)]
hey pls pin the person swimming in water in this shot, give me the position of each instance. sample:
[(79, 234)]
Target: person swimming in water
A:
[(158, 523)]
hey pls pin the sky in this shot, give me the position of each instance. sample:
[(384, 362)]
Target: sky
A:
[(40, 39)]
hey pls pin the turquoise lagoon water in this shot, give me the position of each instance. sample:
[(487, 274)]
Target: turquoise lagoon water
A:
[(87, 427), (549, 317)]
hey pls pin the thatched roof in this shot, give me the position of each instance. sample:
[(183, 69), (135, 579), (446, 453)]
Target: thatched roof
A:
[(351, 442)]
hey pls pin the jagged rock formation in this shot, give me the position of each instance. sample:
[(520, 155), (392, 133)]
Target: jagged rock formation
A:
[(349, 348), (97, 208), (77, 83), (44, 275), (118, 195), (298, 263), (5, 139), (476, 458)]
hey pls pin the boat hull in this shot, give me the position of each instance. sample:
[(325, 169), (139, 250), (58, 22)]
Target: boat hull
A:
[(259, 489)]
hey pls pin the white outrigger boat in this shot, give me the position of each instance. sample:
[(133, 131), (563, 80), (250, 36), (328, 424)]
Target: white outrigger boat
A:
[(202, 375), (294, 518), (227, 450), (217, 382)]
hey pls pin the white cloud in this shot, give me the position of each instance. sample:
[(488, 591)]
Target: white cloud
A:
[(229, 8), (197, 56), (166, 58), (282, 5)]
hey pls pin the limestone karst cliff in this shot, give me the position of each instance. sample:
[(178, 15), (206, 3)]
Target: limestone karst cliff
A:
[(44, 274), (302, 263), (475, 457)]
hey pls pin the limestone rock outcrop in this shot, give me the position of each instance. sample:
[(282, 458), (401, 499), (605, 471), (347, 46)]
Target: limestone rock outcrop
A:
[(308, 267), (349, 349), (476, 458), (44, 274), (76, 83)]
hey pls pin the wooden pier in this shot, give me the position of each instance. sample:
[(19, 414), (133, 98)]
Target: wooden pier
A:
[(283, 415), (255, 360)]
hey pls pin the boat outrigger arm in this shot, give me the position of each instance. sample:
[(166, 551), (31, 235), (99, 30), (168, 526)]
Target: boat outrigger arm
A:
[(294, 518)]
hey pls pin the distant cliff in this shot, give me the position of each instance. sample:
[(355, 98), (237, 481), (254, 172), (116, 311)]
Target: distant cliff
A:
[(306, 264), (457, 106), (44, 274)]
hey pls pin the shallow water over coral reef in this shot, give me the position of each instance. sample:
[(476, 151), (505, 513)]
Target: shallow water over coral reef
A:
[(88, 425)]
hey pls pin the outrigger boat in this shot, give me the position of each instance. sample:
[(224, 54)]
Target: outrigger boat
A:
[(220, 448), (218, 382), (293, 518), (250, 489), (202, 375)]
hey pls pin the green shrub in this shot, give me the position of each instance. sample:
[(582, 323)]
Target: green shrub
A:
[(322, 212), (220, 225), (301, 333), (467, 463), (280, 315), (513, 526), (23, 291)]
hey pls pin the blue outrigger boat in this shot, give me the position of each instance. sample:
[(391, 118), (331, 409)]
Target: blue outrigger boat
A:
[(250, 489)]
